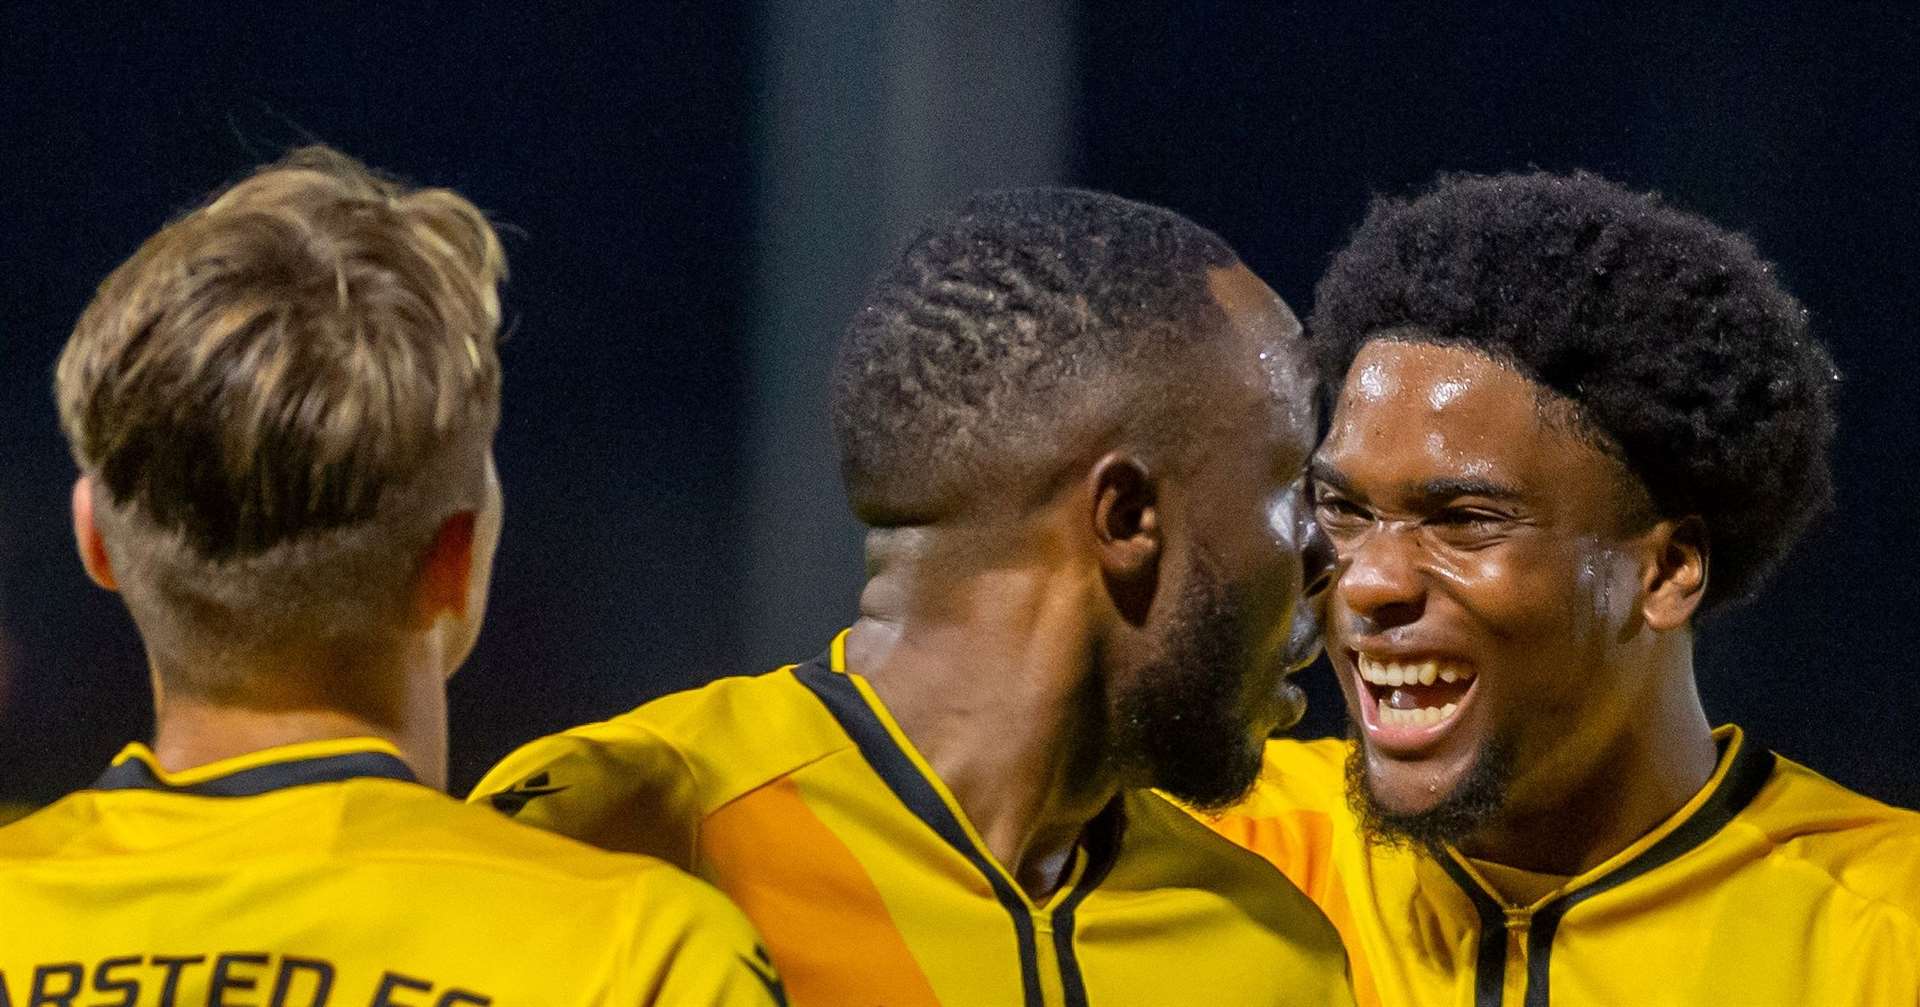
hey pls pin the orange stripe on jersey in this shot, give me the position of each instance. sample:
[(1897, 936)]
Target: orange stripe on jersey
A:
[(1281, 840), (814, 904)]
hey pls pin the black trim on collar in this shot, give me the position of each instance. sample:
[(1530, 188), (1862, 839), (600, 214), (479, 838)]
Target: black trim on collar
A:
[(135, 774), (1752, 767), (842, 699), (1490, 959), (1103, 848), (1750, 770)]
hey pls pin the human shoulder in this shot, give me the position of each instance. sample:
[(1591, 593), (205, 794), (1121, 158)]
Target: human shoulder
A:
[(44, 832), (396, 822), (727, 737), (1167, 848), (1297, 775), (674, 938), (1868, 849), (643, 781)]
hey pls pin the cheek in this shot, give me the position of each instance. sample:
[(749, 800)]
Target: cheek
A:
[(1537, 596), (1605, 604), (1552, 614)]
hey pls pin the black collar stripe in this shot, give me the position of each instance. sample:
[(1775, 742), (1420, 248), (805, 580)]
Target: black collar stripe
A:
[(842, 699), (135, 774), (1490, 963), (1750, 770), (1102, 852)]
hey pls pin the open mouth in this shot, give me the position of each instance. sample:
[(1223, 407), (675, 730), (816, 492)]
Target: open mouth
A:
[(1407, 702)]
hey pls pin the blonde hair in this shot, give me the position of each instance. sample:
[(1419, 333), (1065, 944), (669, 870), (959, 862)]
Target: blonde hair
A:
[(281, 395)]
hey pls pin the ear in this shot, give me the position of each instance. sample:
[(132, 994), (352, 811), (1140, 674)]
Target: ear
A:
[(87, 538), (1675, 579), (1126, 519), (445, 569)]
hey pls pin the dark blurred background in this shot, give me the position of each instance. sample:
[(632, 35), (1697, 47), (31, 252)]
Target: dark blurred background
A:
[(697, 193)]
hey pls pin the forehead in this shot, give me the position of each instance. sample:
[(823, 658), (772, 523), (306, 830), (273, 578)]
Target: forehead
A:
[(1412, 412)]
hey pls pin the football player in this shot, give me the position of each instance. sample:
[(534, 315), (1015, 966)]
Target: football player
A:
[(282, 407)]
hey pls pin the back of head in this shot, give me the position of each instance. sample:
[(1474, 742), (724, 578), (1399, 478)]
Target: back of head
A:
[(1006, 331), (1675, 342), (279, 398)]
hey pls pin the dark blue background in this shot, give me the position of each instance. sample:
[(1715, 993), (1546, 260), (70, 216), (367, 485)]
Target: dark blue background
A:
[(620, 144)]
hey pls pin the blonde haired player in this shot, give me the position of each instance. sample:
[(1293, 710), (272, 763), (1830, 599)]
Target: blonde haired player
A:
[(282, 408)]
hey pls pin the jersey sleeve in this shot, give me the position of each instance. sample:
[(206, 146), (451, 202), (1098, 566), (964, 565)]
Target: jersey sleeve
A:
[(617, 786), (692, 946)]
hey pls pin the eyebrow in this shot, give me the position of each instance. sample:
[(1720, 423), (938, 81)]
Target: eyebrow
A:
[(1432, 491), (1448, 488)]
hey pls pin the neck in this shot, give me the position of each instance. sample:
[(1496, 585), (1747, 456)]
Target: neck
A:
[(310, 695), (989, 670), (1603, 804)]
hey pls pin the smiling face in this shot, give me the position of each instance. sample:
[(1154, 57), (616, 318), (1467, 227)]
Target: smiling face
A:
[(1238, 616), (1485, 622)]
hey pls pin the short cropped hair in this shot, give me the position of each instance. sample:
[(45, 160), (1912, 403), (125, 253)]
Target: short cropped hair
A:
[(1671, 336), (283, 392), (996, 327)]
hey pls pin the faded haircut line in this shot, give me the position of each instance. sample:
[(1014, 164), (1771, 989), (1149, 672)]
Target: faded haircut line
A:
[(282, 392)]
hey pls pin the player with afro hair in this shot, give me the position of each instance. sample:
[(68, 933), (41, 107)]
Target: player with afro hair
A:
[(1571, 419), (1671, 335)]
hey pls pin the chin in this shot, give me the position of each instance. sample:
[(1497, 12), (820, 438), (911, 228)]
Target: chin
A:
[(1215, 777), (1431, 803), (1411, 788)]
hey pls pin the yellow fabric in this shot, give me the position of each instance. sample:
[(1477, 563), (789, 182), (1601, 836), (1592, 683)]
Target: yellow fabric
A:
[(1806, 893), (1514, 886), (342, 886), (760, 786)]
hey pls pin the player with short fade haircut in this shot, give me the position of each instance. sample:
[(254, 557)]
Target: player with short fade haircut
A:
[(1085, 580), (283, 407), (1024, 313), (1574, 421)]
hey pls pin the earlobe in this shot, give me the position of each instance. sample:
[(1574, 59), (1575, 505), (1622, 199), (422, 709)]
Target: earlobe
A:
[(87, 538), (445, 570), (1676, 575)]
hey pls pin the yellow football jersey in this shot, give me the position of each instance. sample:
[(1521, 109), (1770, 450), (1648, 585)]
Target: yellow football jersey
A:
[(797, 794), (1772, 886), (321, 874)]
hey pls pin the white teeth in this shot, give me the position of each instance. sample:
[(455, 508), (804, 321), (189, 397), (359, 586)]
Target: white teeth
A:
[(1425, 716), (1379, 672)]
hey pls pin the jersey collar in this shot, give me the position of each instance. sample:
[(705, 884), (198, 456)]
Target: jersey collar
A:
[(256, 773), (911, 777), (1743, 768), (886, 749)]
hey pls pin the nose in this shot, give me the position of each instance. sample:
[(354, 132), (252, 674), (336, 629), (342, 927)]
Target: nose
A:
[(1380, 581)]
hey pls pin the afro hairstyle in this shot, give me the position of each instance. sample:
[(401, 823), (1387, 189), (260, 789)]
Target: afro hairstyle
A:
[(1670, 335)]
